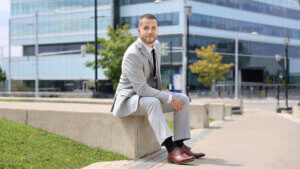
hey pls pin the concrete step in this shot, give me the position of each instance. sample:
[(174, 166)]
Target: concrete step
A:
[(236, 110)]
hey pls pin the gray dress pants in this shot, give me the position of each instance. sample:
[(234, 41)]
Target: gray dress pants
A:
[(154, 110)]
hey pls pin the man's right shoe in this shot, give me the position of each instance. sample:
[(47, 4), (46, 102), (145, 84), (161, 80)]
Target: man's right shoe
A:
[(177, 156)]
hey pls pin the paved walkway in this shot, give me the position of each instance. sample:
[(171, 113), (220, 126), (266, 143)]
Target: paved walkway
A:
[(257, 139)]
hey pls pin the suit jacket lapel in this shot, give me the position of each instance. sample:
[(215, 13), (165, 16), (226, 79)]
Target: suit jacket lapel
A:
[(145, 53), (143, 50)]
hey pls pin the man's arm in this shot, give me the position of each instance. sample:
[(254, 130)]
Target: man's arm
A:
[(133, 69)]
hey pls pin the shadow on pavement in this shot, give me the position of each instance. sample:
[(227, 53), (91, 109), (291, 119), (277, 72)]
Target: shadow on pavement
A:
[(213, 161), (215, 127)]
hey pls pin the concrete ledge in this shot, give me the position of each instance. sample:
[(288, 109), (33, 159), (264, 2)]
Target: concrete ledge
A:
[(92, 125), (198, 116), (59, 100), (19, 116), (296, 111), (228, 110), (216, 111)]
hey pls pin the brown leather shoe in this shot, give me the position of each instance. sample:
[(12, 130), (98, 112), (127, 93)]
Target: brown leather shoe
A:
[(178, 157), (187, 150)]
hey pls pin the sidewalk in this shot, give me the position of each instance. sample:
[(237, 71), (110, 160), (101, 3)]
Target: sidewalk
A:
[(258, 139)]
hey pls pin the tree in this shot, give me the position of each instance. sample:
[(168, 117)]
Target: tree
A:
[(2, 75), (209, 68), (111, 56)]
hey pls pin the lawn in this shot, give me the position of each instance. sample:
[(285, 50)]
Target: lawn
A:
[(8, 100), (171, 124), (22, 146)]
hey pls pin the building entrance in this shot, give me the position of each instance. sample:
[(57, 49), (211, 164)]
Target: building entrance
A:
[(255, 75)]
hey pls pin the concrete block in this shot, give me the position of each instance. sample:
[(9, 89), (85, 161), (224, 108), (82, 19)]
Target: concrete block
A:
[(242, 105), (216, 111), (20, 116), (228, 110), (296, 111), (131, 136), (198, 116)]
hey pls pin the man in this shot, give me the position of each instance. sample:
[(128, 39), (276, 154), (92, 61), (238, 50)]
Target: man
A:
[(139, 93)]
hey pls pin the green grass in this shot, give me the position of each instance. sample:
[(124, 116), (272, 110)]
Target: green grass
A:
[(289, 112), (171, 126), (22, 146), (8, 100)]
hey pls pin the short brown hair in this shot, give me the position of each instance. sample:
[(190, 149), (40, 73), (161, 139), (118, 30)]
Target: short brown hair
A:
[(147, 16)]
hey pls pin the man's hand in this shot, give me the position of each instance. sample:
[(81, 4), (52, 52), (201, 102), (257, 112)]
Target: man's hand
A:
[(176, 104)]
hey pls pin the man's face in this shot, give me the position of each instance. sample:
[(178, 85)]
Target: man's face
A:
[(148, 30)]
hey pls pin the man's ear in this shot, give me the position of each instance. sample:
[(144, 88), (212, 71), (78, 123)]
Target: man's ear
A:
[(138, 29)]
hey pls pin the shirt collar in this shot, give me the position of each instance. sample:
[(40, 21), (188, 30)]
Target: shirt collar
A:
[(149, 50)]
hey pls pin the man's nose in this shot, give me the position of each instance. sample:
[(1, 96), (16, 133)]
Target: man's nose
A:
[(150, 31)]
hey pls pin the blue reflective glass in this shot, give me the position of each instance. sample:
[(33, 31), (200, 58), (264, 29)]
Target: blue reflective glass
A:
[(163, 20), (254, 6), (130, 2), (242, 26), (59, 23), (29, 7), (227, 46)]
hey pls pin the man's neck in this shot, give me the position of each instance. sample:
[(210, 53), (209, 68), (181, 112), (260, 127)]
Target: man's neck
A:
[(149, 45)]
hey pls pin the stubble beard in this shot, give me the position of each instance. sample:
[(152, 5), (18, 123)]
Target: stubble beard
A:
[(150, 42)]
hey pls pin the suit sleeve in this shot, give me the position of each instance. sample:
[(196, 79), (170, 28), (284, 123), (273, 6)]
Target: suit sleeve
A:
[(133, 69)]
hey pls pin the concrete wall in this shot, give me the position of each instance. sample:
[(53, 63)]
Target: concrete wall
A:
[(198, 116), (131, 136), (216, 111), (296, 111)]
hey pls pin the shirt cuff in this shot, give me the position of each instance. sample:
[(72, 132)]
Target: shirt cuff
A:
[(170, 99)]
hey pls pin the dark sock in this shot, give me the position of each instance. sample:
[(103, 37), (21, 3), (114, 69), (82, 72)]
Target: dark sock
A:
[(179, 143), (169, 144)]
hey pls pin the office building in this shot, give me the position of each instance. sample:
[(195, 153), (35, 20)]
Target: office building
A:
[(260, 27)]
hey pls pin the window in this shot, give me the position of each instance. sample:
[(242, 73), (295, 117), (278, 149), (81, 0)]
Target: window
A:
[(241, 26), (163, 20)]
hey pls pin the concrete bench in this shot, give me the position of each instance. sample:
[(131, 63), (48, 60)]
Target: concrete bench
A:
[(216, 111), (228, 110), (296, 111), (198, 116), (92, 125)]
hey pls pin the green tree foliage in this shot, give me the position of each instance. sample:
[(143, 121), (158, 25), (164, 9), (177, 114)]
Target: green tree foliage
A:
[(2, 75), (209, 68), (110, 58)]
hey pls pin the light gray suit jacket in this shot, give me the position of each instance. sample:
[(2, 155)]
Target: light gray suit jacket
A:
[(137, 79)]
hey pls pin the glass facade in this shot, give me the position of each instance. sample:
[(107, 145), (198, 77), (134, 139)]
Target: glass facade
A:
[(165, 19), (242, 26), (29, 50), (129, 2), (23, 7), (257, 7), (227, 46), (72, 25), (49, 48), (59, 23)]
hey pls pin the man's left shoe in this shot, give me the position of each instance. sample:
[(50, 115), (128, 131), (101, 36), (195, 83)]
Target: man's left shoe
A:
[(187, 150)]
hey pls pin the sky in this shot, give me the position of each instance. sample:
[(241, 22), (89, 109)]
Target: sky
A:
[(4, 15)]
